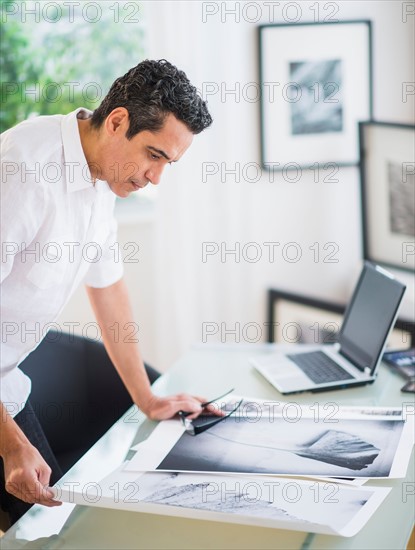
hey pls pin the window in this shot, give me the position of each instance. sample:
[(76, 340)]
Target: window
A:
[(57, 56)]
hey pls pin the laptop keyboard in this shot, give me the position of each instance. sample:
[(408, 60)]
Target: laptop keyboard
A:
[(319, 367)]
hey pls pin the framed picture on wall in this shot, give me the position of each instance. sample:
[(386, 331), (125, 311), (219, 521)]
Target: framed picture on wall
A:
[(316, 84), (388, 193), (298, 319)]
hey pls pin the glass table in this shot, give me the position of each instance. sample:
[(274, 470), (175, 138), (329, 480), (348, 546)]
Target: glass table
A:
[(210, 370)]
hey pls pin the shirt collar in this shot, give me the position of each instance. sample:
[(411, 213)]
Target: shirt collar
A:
[(78, 175)]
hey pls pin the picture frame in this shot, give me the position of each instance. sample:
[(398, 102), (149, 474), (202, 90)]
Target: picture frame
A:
[(387, 189), (298, 319), (316, 85)]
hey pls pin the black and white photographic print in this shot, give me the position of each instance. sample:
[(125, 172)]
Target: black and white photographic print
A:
[(388, 193), (280, 503), (401, 200), (356, 443), (220, 495), (316, 103), (279, 500), (316, 85), (277, 446)]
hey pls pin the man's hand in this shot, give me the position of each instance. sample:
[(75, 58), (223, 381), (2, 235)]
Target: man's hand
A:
[(162, 408), (27, 476)]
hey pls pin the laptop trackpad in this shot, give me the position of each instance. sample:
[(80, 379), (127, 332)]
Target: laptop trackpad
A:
[(281, 369)]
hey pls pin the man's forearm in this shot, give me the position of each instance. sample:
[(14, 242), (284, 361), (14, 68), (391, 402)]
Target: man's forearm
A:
[(113, 312), (11, 436)]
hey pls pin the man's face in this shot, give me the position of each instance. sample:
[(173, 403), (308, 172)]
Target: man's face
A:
[(129, 165)]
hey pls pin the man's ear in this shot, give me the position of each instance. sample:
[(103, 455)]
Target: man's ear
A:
[(117, 121)]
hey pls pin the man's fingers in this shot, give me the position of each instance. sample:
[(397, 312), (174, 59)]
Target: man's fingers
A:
[(40, 494), (201, 399), (214, 408), (196, 409), (44, 473), (32, 493), (189, 406), (28, 476), (162, 408), (44, 480), (45, 496)]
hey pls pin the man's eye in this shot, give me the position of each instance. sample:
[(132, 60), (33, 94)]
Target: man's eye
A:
[(154, 157)]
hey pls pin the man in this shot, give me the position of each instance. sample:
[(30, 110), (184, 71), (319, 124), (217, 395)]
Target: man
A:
[(60, 177)]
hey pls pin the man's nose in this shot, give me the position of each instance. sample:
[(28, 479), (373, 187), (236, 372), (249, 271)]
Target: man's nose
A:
[(153, 174)]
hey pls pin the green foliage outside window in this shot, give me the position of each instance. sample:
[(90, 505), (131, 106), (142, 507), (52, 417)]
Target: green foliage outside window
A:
[(52, 67)]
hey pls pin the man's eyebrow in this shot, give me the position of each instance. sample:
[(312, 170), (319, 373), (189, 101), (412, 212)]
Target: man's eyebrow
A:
[(160, 152)]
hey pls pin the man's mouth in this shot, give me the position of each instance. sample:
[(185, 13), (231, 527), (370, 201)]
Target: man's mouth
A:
[(136, 185)]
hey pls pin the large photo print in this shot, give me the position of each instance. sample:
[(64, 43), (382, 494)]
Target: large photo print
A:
[(350, 442), (276, 446)]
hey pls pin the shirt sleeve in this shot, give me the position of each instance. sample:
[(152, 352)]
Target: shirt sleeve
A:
[(109, 268)]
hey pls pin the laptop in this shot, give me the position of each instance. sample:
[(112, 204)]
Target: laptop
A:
[(354, 359)]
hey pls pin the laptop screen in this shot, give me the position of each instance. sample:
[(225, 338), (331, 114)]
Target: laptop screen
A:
[(369, 316)]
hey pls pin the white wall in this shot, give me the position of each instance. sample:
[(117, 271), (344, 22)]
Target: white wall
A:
[(225, 52)]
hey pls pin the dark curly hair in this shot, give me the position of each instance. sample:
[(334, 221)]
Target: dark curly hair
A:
[(149, 92)]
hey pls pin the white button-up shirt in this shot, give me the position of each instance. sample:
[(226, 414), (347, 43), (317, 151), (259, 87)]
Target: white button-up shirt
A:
[(58, 229)]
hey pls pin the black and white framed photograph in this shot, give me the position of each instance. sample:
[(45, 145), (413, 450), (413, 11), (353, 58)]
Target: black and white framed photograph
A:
[(316, 85), (388, 193)]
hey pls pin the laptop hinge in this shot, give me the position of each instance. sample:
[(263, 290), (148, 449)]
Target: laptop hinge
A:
[(353, 362)]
